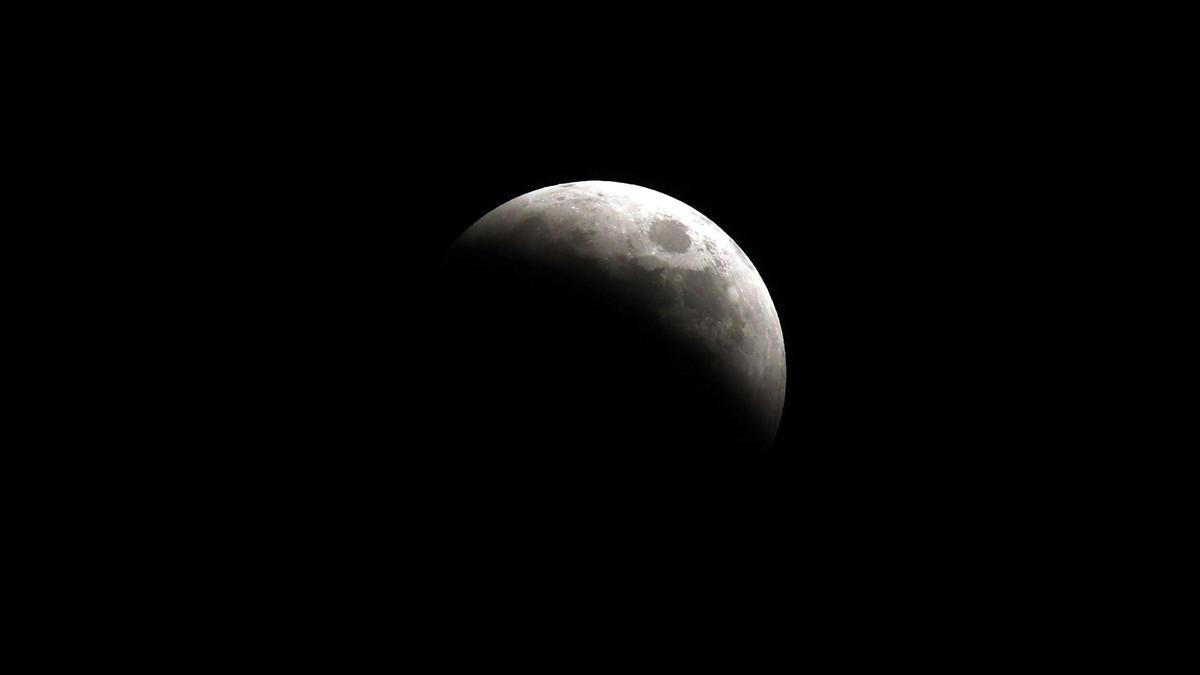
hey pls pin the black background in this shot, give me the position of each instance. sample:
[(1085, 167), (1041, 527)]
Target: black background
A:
[(238, 399), (888, 483), (892, 206)]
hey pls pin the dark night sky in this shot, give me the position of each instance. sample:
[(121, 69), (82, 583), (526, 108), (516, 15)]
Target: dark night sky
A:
[(865, 231), (867, 228), (246, 210), (882, 204)]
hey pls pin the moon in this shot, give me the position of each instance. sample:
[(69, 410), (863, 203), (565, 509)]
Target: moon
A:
[(662, 268)]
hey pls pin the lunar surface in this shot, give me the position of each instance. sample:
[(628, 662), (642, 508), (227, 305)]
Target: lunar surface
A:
[(661, 259)]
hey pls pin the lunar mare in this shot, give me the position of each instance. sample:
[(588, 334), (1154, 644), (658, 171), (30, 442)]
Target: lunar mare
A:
[(664, 256)]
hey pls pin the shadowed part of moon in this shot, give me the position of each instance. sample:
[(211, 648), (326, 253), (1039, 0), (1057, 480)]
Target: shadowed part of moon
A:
[(612, 317)]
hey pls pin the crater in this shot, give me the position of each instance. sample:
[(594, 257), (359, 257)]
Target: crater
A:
[(671, 235), (581, 238)]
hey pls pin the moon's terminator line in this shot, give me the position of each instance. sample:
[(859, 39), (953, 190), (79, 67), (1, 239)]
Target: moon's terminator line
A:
[(665, 256)]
